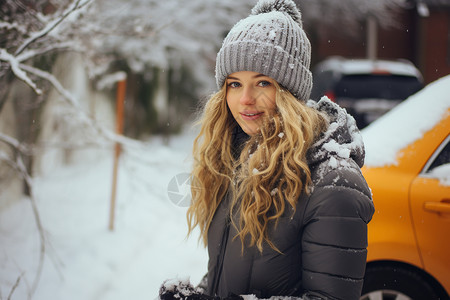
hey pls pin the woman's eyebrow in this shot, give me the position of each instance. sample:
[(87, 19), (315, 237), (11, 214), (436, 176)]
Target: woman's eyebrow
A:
[(259, 75), (256, 76)]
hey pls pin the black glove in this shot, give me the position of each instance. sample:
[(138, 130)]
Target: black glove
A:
[(183, 290)]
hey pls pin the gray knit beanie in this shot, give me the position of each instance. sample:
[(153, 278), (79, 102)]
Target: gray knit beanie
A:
[(270, 41)]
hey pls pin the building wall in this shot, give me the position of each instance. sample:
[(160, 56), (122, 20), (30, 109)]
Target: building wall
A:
[(395, 41), (423, 40), (346, 42), (398, 41), (434, 46)]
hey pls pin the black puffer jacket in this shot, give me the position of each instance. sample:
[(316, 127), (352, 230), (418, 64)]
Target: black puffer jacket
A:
[(323, 244)]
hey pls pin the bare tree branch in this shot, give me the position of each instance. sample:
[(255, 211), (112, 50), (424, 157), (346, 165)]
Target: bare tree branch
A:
[(11, 142), (14, 286), (19, 165)]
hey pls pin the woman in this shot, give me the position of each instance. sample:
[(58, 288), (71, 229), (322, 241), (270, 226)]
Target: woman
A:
[(278, 193)]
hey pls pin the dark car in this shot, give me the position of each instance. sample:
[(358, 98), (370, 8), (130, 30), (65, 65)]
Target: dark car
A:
[(366, 88)]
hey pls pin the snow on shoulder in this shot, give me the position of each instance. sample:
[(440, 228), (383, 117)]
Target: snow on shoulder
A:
[(406, 123)]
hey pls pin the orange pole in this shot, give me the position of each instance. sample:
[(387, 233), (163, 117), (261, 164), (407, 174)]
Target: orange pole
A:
[(120, 101)]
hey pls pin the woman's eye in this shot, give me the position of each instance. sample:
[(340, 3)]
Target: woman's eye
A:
[(264, 83), (234, 84)]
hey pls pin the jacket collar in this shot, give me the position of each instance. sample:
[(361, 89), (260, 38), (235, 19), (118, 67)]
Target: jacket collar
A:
[(341, 141)]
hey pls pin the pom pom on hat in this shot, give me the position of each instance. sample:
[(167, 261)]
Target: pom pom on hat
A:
[(270, 41), (287, 6)]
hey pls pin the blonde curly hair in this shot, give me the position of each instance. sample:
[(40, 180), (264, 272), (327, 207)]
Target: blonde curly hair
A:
[(270, 173)]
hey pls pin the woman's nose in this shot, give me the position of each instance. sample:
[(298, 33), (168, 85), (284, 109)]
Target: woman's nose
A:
[(248, 96)]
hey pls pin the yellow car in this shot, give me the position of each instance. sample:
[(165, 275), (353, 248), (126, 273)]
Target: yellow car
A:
[(408, 170)]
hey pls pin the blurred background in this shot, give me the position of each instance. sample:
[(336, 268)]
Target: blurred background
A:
[(61, 62)]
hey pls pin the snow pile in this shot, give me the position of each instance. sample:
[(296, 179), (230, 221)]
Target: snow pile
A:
[(84, 260), (333, 146), (443, 173), (406, 123), (179, 289)]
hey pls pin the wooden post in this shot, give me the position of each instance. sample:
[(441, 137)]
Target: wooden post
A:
[(120, 100)]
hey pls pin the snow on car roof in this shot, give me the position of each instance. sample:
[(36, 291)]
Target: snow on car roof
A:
[(367, 66), (406, 123)]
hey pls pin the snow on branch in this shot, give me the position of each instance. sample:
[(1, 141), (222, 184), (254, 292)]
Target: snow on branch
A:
[(110, 80), (52, 25), (55, 82), (14, 63), (14, 25), (36, 52)]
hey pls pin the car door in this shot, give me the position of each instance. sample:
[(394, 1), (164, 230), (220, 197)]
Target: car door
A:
[(430, 208)]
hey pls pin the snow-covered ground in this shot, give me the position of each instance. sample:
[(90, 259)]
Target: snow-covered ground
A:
[(84, 260)]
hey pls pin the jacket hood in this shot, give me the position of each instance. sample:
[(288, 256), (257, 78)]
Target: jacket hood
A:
[(340, 142)]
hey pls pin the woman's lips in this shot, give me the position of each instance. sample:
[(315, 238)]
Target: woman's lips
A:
[(251, 116)]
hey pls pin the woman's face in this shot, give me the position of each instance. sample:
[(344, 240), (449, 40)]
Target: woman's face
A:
[(251, 99)]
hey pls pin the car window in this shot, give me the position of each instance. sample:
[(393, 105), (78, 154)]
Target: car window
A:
[(323, 82), (443, 156), (379, 86)]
